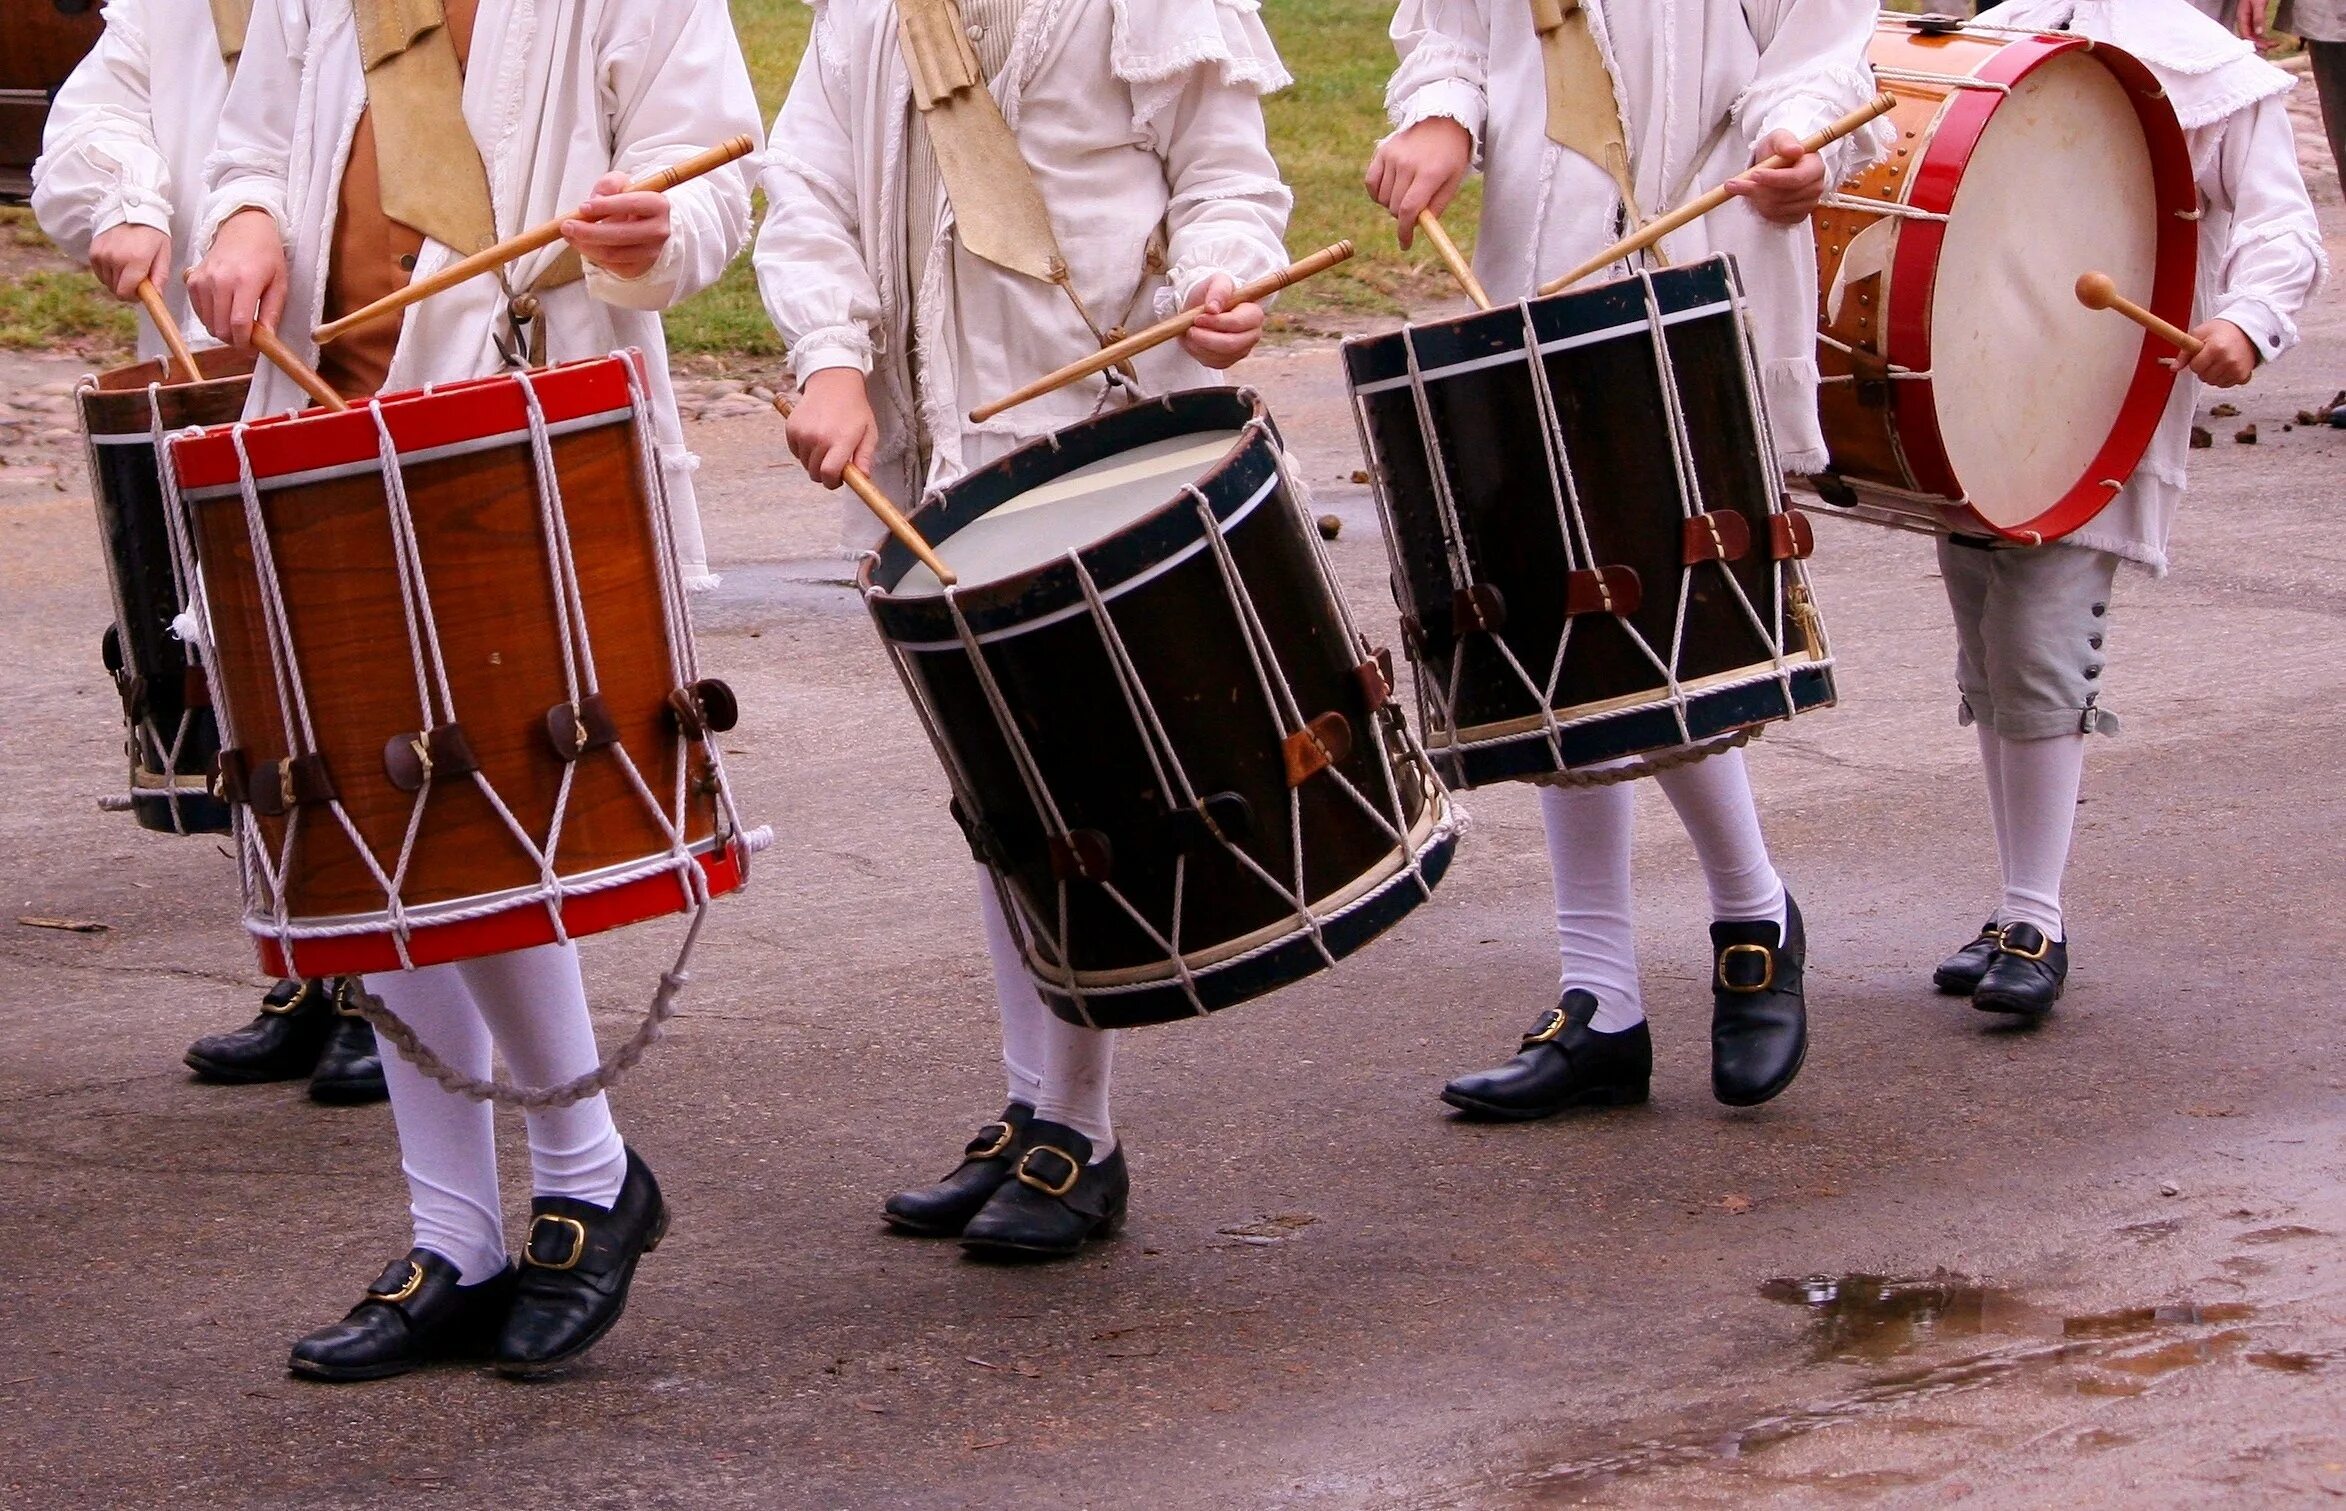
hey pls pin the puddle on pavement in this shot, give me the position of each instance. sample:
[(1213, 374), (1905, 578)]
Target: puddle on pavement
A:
[(2302, 1362)]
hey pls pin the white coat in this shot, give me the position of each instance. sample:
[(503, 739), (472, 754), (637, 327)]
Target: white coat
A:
[(557, 93), (2260, 245), (1144, 128), (126, 141), (1700, 84)]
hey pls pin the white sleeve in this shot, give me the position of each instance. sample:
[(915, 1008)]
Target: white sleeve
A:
[(2275, 260), (100, 166), (673, 88), (1445, 52), (1229, 207), (1812, 71), (251, 160), (809, 258)]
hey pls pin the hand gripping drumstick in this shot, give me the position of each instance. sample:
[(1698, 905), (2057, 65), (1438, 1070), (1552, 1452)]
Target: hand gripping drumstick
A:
[(527, 242), (1431, 229), (1698, 207), (1164, 331), (160, 313), (859, 482), (2099, 291), (266, 342)]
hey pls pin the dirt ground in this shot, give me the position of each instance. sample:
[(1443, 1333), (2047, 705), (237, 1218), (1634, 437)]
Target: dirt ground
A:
[(2097, 1264)]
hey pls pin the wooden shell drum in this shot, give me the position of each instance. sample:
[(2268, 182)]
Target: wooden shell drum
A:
[(1589, 546), (1162, 731), (170, 734), (455, 673), (1965, 388)]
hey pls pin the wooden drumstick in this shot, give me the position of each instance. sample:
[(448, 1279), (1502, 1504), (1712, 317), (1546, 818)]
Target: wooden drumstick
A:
[(160, 313), (527, 242), (1696, 208), (266, 342), (2099, 291), (859, 483), (1163, 331), (1431, 229)]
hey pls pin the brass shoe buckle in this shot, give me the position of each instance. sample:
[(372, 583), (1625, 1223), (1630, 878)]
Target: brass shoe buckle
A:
[(2044, 947), (1001, 1135), (1551, 1028), (413, 1284), (1027, 1177), (1767, 968), (578, 1242)]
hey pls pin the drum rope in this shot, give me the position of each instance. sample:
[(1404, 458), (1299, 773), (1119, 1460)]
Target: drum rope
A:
[(187, 624), (1791, 573), (1438, 470), (1564, 489), (1644, 766)]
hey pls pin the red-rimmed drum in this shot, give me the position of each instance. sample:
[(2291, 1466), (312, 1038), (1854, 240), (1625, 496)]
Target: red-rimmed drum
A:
[(168, 727), (1162, 731), (1965, 388), (455, 672)]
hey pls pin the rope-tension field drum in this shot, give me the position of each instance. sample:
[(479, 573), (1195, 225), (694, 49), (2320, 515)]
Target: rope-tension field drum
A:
[(455, 672), (1965, 387), (170, 734), (1162, 731), (1590, 548)]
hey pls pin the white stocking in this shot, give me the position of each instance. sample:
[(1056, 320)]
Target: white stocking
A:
[(2036, 813), (1058, 1068), (1713, 799), (1022, 1010), (447, 1143), (1589, 833), (534, 1002), (1991, 768)]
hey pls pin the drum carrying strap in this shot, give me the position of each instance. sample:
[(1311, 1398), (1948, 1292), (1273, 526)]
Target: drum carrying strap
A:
[(229, 20), (998, 210), (1584, 107), (430, 167)]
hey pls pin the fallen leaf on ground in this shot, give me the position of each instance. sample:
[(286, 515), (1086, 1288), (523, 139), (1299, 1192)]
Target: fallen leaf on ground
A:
[(1736, 1203), (67, 925)]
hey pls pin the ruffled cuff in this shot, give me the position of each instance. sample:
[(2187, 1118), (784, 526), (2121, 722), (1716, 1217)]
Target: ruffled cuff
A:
[(1443, 99), (1807, 104), (236, 188), (1236, 258), (653, 289), (831, 346), (129, 204)]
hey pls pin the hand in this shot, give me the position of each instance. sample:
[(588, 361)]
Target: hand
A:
[(126, 255), (1226, 331), (619, 232), (241, 279), (2250, 20), (1787, 195), (1420, 169), (833, 425), (2227, 359)]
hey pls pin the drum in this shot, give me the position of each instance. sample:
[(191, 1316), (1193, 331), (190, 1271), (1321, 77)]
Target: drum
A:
[(455, 672), (1162, 730), (1589, 544), (40, 42), (166, 707), (1965, 388)]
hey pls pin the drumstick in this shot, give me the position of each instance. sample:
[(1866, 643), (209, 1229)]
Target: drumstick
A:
[(1164, 331), (859, 482), (2099, 291), (267, 343), (527, 242), (1701, 205), (1431, 229), (160, 313)]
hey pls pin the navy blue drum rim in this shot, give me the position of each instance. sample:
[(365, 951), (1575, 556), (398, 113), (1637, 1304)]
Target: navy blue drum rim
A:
[(1238, 480), (1284, 964), (199, 813)]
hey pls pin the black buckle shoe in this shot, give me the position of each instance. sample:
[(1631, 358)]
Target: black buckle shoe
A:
[(1759, 1015), (1958, 975), (282, 1044), (415, 1314), (2027, 976), (943, 1209), (1054, 1201), (350, 1070), (1563, 1063), (575, 1271)]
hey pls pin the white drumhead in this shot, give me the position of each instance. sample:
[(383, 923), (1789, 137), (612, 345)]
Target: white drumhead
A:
[(1073, 511), (2028, 381)]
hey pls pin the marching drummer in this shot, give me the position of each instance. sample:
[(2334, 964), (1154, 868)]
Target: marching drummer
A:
[(909, 286), (446, 123), (2032, 622), (1701, 91), (118, 186)]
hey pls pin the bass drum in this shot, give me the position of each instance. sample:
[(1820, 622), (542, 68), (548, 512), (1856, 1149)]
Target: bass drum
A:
[(1965, 388)]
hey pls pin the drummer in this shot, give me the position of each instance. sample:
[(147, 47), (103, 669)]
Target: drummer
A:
[(1706, 88), (453, 101), (118, 185), (1159, 183), (2032, 622)]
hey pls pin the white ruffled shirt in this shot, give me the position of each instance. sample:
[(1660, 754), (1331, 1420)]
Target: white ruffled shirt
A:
[(1142, 121), (1700, 84), (2260, 244), (126, 141), (557, 93)]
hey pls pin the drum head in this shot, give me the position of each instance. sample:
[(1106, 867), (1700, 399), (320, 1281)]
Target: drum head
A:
[(2029, 382), (1079, 509)]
